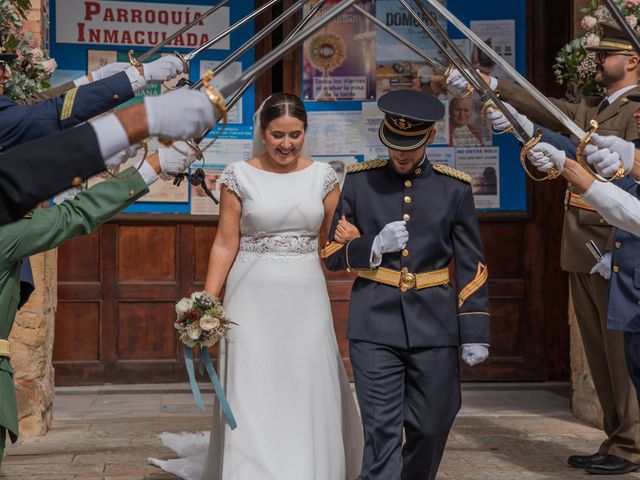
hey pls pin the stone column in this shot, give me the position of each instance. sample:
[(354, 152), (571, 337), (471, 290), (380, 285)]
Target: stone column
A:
[(32, 335)]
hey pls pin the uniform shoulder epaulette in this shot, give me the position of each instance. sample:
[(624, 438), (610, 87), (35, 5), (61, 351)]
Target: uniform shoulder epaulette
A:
[(452, 172), (368, 165)]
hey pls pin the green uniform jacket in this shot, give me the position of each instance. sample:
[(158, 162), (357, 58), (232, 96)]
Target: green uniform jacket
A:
[(580, 225), (48, 228)]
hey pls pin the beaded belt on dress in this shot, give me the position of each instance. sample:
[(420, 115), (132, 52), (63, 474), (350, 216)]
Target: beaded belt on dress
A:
[(279, 244)]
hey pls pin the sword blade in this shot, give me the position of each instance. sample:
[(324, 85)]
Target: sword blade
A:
[(167, 40), (533, 91), (255, 39), (483, 89), (400, 38), (190, 56), (622, 23), (273, 56)]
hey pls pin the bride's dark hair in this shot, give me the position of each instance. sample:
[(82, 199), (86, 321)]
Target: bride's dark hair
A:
[(280, 104)]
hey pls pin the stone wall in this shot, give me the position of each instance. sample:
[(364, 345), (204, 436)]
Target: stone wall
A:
[(32, 335)]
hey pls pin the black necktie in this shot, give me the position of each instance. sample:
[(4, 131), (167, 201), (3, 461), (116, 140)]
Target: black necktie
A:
[(604, 104)]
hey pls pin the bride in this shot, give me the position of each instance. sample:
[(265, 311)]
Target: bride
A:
[(285, 381)]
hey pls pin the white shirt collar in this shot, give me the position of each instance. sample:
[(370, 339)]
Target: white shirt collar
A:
[(614, 96)]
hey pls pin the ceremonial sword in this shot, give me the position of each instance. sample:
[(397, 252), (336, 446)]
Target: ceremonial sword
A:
[(558, 114), (431, 61), (489, 98), (186, 59), (166, 41)]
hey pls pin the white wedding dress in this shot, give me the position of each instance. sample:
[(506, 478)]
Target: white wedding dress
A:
[(286, 383)]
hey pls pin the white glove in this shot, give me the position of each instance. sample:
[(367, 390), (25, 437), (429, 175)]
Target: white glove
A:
[(457, 85), (393, 237), (122, 156), (545, 156), (179, 114), (474, 353), (626, 150), (109, 70), (165, 68), (500, 122), (603, 267), (175, 159)]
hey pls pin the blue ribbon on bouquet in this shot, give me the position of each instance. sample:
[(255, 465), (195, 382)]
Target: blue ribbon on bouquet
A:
[(205, 361)]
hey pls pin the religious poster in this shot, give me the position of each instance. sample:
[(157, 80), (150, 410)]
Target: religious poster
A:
[(442, 155), (466, 126), (339, 60), (372, 117), (483, 164)]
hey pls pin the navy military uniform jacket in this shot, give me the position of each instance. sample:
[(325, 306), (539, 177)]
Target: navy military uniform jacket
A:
[(442, 225), (37, 170), (22, 123), (623, 312)]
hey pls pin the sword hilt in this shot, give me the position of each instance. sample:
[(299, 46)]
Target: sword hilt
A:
[(483, 118), (132, 59), (533, 141), (443, 83), (580, 156)]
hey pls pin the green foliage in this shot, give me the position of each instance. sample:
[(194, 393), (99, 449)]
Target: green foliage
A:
[(28, 76)]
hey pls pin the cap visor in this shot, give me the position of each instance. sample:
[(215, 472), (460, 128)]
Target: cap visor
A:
[(400, 142)]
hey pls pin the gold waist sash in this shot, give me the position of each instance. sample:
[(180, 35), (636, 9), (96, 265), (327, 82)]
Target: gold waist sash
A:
[(405, 280)]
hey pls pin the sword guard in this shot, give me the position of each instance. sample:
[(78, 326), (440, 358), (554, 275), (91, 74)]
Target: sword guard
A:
[(443, 83), (580, 156), (132, 59), (533, 141), (483, 118)]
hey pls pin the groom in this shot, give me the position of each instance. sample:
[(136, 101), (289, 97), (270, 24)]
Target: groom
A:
[(406, 322)]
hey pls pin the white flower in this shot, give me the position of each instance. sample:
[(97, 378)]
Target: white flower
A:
[(184, 338), (194, 331), (183, 306), (210, 341), (588, 22), (218, 311), (208, 323), (591, 40), (199, 295), (632, 20), (37, 54)]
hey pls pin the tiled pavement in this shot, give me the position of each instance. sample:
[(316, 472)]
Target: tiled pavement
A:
[(504, 432)]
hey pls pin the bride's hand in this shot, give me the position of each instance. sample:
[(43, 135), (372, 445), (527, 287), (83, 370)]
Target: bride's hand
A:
[(345, 231)]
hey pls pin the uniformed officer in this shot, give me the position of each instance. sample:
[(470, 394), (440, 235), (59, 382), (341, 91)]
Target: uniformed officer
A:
[(47, 228), (618, 70), (27, 120), (406, 321), (37, 170)]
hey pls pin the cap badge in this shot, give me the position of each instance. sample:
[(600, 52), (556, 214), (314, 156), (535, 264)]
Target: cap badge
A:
[(402, 123)]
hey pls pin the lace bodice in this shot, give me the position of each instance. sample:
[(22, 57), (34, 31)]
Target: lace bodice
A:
[(281, 213)]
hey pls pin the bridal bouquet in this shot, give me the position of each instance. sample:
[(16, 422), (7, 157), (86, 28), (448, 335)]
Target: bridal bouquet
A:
[(201, 320)]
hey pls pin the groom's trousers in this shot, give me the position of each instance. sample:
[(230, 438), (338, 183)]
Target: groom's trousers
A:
[(417, 389)]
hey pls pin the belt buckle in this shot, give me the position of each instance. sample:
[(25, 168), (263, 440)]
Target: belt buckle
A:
[(407, 280)]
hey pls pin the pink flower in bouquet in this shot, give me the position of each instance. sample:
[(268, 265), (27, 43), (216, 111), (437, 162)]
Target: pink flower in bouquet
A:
[(632, 3), (599, 13), (49, 65), (632, 20), (588, 22)]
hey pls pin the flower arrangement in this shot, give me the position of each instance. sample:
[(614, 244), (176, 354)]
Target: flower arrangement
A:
[(201, 320), (575, 67), (30, 71)]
